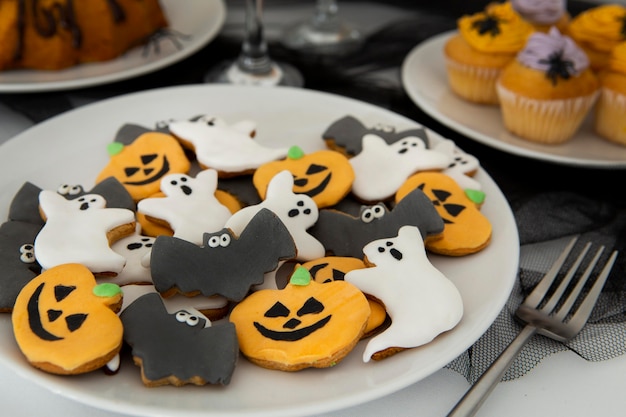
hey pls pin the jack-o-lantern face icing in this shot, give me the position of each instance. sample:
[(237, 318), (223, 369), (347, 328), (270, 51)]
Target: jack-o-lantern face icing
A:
[(141, 165), (306, 324), (466, 229), (64, 321), (334, 268), (325, 176)]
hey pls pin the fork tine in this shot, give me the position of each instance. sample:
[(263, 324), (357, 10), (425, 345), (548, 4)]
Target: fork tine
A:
[(534, 298), (573, 296), (584, 310)]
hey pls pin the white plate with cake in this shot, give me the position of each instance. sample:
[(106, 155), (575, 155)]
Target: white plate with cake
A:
[(72, 148), (424, 80), (192, 24)]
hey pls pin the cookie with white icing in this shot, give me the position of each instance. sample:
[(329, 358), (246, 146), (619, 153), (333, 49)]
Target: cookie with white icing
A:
[(81, 231), (380, 168), (228, 148), (178, 348), (346, 134), (421, 301), (345, 235), (218, 267), (190, 207), (462, 168), (136, 249)]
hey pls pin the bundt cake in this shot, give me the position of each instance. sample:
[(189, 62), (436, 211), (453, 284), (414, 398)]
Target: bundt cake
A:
[(55, 34)]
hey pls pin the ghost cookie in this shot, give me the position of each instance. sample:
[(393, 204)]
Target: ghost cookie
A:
[(227, 264), (466, 230), (140, 165), (345, 135), (325, 176), (228, 148), (81, 231), (189, 207), (304, 325), (421, 301), (345, 235), (380, 169), (65, 323), (462, 168), (178, 348)]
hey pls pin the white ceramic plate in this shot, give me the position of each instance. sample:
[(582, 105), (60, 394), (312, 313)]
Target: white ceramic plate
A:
[(424, 79), (198, 20), (71, 148)]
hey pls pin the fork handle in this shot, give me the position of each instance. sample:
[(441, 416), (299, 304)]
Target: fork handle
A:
[(478, 393)]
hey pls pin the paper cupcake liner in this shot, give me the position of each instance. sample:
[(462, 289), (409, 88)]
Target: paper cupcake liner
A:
[(475, 84), (610, 120), (544, 121)]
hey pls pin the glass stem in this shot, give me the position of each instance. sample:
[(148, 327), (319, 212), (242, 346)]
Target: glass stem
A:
[(254, 57), (325, 13)]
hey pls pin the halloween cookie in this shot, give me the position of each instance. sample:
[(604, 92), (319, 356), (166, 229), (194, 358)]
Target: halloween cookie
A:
[(178, 348), (325, 176), (346, 134), (466, 230), (306, 324), (334, 268), (228, 148), (141, 165), (380, 168), (65, 323), (421, 301), (81, 231), (226, 264), (345, 235), (189, 207)]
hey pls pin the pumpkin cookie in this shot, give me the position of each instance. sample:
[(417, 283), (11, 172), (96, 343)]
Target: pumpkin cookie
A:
[(466, 230), (65, 323), (304, 325), (325, 176)]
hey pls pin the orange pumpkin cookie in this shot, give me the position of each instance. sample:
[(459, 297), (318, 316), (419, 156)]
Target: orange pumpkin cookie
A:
[(306, 324), (466, 230), (326, 176), (64, 323), (334, 268), (142, 164)]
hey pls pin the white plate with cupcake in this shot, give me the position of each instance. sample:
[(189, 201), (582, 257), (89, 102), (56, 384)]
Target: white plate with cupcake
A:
[(425, 80), (190, 27)]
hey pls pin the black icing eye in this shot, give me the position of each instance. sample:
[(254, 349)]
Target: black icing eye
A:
[(214, 241), (311, 306), (27, 253), (367, 215), (378, 211), (314, 169), (277, 310), (75, 190), (63, 189), (210, 122), (61, 292)]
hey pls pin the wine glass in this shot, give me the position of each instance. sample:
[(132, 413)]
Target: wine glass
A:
[(254, 66), (324, 33)]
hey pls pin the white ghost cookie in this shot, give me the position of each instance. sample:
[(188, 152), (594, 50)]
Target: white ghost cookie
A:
[(380, 169), (229, 149), (81, 231), (421, 301), (136, 250), (189, 207)]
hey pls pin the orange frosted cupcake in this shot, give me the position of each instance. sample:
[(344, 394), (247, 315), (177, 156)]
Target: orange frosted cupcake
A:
[(610, 121), (486, 43), (547, 91), (598, 30), (543, 14)]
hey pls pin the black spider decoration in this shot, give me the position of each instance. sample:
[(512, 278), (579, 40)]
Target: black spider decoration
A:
[(487, 25), (558, 67)]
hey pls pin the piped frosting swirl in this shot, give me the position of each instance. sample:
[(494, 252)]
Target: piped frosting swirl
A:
[(601, 27), (617, 63), (543, 12)]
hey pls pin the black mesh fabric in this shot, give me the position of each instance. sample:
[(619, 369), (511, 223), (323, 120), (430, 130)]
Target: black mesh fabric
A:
[(546, 223)]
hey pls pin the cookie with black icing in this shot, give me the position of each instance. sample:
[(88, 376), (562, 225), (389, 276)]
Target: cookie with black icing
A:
[(346, 134), (346, 235), (178, 348), (226, 264)]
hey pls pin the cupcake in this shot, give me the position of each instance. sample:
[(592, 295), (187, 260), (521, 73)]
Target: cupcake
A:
[(543, 14), (546, 92), (597, 31), (610, 120), (486, 42)]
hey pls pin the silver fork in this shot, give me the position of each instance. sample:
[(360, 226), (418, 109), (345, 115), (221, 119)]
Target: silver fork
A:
[(550, 317)]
